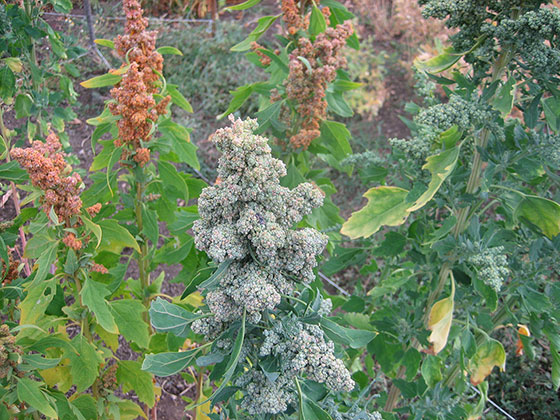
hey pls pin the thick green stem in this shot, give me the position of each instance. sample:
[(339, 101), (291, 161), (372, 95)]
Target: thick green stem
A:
[(463, 213), (15, 195)]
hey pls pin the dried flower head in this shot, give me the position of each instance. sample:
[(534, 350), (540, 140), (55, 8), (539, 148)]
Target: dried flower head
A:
[(313, 65), (45, 164), (134, 94)]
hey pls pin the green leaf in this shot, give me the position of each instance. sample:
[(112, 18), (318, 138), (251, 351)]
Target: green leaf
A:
[(30, 392), (540, 213), (115, 237), (178, 99), (551, 108), (215, 278), (347, 336), (128, 316), (387, 206), (94, 228), (169, 50), (7, 83), (167, 364), (11, 171), (23, 105), (93, 296), (84, 366), (150, 228), (445, 60), (503, 101), (171, 178), (245, 5), (431, 370), (105, 43), (311, 411), (168, 317), (233, 359), (335, 137), (263, 24), (37, 361), (491, 353), (317, 22), (440, 166), (44, 263), (132, 378), (102, 81), (240, 95)]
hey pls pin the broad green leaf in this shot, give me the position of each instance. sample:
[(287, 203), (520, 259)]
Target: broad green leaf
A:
[(491, 353), (86, 405), (30, 392), (542, 213), (167, 364), (128, 410), (44, 263), (102, 81), (503, 101), (132, 378), (440, 320), (440, 166), (245, 5), (168, 317), (128, 316), (171, 178), (240, 95), (347, 336), (37, 361), (23, 105), (317, 22), (169, 50), (311, 411), (551, 108), (431, 370), (336, 138), (178, 99), (387, 206), (105, 43), (445, 60), (151, 227), (7, 84), (93, 296), (104, 118), (84, 366), (11, 171), (115, 237)]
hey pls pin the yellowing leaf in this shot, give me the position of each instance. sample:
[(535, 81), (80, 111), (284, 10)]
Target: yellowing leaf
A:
[(523, 330), (540, 213), (440, 166), (387, 206), (203, 410), (439, 323), (491, 353)]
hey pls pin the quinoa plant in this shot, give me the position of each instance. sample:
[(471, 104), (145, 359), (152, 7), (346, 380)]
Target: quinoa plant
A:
[(476, 212), (267, 328)]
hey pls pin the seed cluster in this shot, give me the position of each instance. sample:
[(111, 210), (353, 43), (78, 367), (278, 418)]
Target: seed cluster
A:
[(492, 266), (312, 66), (245, 220), (134, 94), (10, 353), (45, 164)]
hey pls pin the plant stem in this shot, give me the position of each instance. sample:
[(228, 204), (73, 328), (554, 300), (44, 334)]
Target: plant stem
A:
[(463, 217), (15, 195), (142, 260)]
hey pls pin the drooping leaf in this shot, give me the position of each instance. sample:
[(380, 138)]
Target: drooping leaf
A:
[(440, 166), (503, 101), (263, 24), (29, 391), (491, 353), (386, 206), (132, 378), (542, 213), (439, 322)]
